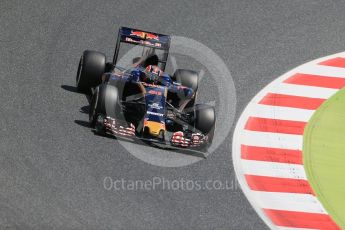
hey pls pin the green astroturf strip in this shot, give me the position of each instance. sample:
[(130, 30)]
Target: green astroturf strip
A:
[(324, 155)]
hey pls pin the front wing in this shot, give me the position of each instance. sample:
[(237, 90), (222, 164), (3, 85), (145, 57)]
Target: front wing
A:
[(197, 147)]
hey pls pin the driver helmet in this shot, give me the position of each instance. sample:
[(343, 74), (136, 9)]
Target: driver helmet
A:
[(154, 70), (153, 74)]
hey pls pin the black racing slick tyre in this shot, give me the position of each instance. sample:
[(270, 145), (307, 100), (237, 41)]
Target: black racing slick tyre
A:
[(190, 79), (90, 70), (104, 102), (204, 119)]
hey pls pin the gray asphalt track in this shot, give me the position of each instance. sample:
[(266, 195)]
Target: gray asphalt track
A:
[(52, 168)]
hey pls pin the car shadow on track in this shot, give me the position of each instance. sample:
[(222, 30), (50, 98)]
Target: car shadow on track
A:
[(86, 124), (70, 88), (83, 123), (74, 89)]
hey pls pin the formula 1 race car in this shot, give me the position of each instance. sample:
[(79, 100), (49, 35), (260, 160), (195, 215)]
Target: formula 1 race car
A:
[(143, 102)]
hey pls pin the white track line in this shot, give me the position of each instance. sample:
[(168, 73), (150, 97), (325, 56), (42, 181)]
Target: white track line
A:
[(281, 170), (281, 113), (273, 140), (303, 91), (286, 228), (322, 70), (293, 202)]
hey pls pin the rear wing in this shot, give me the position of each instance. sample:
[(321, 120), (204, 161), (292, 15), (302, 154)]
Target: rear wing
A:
[(143, 38)]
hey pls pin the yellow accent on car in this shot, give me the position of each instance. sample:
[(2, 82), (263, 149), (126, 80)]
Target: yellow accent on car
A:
[(154, 127)]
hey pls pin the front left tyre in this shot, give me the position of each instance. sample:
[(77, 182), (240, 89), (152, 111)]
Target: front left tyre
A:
[(104, 102), (90, 70)]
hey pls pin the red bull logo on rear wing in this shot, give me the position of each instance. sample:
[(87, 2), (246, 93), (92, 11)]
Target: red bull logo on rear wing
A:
[(144, 35), (144, 38)]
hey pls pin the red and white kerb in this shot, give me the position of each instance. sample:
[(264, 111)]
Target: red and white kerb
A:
[(268, 140)]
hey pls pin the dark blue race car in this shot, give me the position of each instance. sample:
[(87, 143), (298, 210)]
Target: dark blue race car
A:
[(143, 102)]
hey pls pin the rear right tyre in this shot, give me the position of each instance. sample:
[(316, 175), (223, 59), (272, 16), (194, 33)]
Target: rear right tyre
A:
[(187, 78)]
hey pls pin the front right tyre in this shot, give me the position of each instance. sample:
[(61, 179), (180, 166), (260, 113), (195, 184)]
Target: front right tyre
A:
[(205, 120)]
